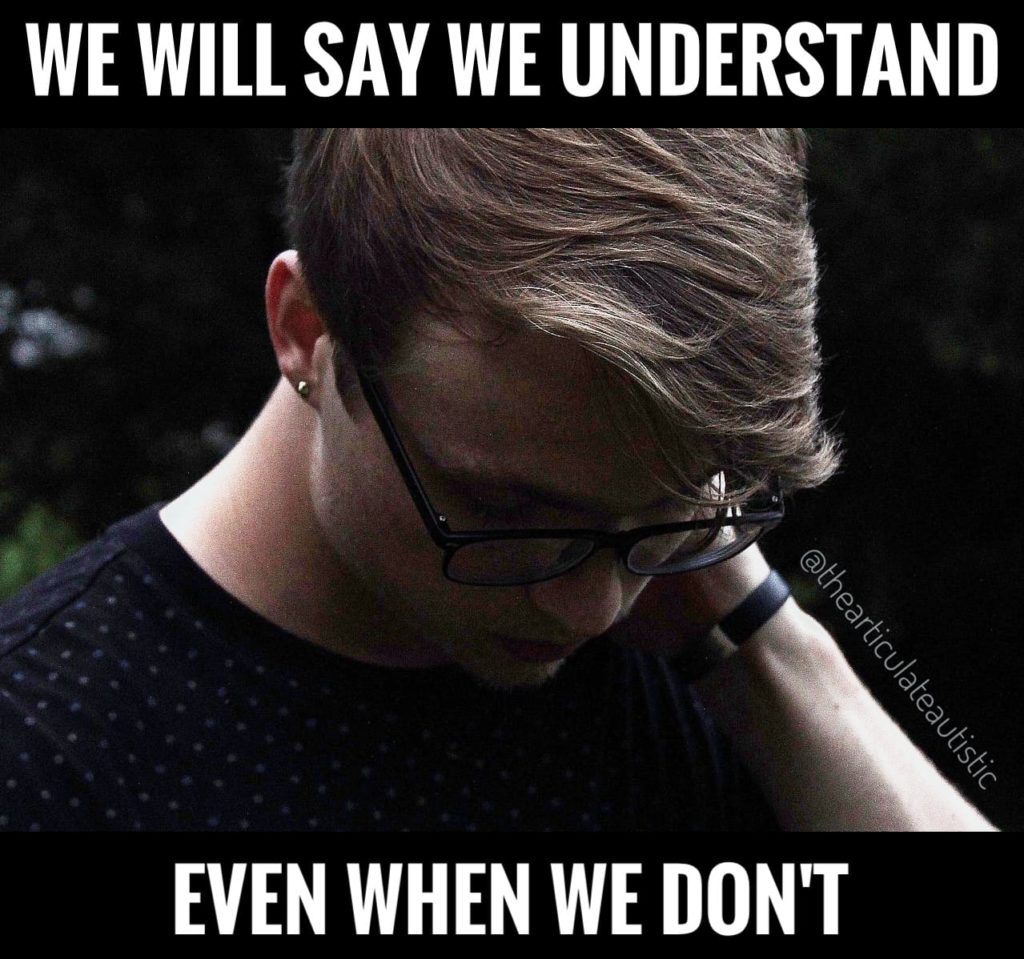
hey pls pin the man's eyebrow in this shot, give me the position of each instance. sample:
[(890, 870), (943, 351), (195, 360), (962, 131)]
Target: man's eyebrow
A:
[(483, 479)]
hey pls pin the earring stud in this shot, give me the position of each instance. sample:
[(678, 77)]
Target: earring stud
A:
[(303, 389)]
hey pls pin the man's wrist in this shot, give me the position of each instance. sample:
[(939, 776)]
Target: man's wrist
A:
[(728, 584), (724, 589), (790, 647), (762, 603)]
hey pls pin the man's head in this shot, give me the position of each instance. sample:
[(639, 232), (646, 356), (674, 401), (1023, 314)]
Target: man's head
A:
[(610, 315)]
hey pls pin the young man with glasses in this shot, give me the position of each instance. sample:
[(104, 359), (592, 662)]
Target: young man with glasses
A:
[(541, 390)]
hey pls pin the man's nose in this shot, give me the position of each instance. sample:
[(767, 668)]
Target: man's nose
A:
[(587, 600)]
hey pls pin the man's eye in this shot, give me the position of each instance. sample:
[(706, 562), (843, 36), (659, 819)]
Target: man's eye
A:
[(524, 515), (492, 509), (672, 512), (489, 509)]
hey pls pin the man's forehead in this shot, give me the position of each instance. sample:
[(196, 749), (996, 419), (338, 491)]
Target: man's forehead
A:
[(516, 402)]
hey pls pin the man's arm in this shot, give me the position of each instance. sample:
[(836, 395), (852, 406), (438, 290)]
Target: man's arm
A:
[(825, 753)]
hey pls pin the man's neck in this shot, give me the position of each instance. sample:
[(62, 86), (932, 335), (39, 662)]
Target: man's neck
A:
[(250, 525)]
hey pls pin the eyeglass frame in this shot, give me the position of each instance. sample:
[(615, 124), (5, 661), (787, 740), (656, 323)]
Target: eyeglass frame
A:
[(622, 541)]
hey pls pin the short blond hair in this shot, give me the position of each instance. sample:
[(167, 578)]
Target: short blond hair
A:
[(682, 258)]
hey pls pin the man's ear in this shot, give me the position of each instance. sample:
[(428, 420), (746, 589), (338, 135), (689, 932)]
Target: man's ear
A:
[(293, 322)]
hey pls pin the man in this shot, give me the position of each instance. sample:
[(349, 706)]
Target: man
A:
[(525, 376)]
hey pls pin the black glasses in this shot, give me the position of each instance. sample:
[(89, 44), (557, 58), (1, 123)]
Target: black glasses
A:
[(517, 557)]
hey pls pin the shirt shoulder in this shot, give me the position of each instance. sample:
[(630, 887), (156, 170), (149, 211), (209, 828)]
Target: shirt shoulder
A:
[(27, 612), (60, 681)]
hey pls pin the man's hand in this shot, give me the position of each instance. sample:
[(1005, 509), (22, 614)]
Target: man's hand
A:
[(677, 612)]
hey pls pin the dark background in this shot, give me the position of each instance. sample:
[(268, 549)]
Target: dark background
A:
[(133, 352)]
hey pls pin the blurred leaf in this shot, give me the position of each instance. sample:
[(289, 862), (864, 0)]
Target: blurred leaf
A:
[(41, 539)]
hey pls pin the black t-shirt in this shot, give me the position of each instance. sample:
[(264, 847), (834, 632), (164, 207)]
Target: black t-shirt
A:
[(137, 694)]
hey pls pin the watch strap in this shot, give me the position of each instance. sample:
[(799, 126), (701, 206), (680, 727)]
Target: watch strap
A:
[(763, 603)]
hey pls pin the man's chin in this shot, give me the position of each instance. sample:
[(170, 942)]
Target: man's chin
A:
[(523, 676), (502, 672)]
